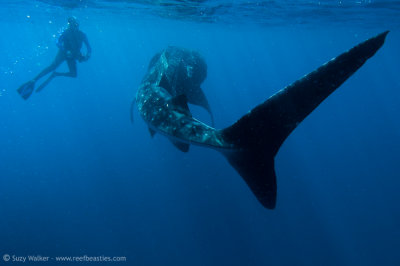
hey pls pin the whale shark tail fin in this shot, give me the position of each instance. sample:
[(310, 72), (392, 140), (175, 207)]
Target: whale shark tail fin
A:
[(260, 133), (258, 171)]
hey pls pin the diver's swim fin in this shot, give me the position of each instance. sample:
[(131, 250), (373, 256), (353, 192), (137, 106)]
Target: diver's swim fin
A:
[(26, 89), (46, 82)]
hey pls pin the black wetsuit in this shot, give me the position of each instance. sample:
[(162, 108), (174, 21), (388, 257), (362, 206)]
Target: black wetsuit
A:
[(70, 44)]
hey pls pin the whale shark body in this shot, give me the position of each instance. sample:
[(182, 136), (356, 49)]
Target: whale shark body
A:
[(173, 80)]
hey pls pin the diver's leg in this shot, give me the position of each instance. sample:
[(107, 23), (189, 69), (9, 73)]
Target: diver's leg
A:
[(56, 63), (73, 73)]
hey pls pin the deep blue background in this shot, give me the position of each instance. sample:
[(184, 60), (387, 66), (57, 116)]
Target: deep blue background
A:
[(77, 178)]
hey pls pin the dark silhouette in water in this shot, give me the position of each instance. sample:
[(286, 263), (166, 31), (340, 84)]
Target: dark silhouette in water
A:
[(69, 44), (250, 145)]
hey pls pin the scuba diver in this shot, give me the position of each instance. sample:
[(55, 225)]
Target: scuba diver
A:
[(69, 44)]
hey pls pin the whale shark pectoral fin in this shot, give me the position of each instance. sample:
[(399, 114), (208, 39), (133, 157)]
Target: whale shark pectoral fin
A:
[(152, 132), (184, 147), (180, 104), (197, 97), (259, 134)]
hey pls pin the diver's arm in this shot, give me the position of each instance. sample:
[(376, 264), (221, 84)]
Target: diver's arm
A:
[(60, 41)]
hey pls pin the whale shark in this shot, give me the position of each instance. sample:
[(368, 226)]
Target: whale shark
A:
[(174, 77)]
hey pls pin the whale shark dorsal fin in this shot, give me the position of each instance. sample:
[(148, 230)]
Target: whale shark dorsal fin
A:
[(180, 103), (152, 132), (184, 147)]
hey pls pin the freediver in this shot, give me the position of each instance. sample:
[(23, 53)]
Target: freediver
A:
[(69, 44)]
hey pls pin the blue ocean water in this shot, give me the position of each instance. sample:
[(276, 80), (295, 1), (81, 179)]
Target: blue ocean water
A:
[(77, 178)]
